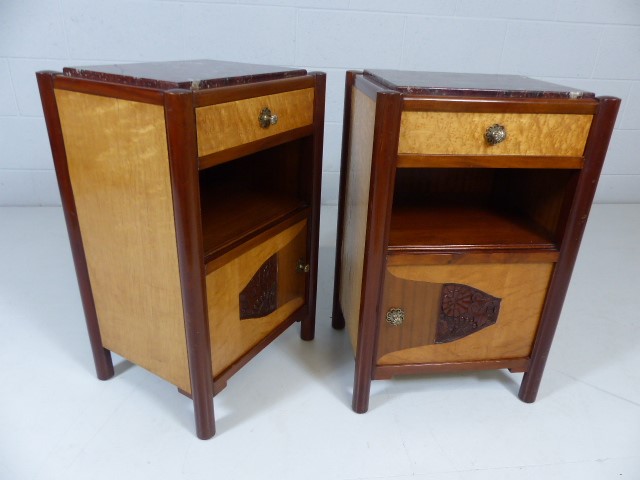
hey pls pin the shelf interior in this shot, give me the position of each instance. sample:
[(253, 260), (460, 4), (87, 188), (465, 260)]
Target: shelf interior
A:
[(464, 227), (244, 197), (440, 210)]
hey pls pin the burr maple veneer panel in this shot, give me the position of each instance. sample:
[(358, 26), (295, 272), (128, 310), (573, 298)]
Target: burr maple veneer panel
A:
[(122, 190)]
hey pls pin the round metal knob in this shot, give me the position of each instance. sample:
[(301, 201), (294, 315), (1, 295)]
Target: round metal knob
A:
[(267, 118), (495, 134), (302, 266), (395, 317)]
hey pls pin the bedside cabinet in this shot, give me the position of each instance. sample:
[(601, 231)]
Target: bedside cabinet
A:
[(191, 192), (463, 200)]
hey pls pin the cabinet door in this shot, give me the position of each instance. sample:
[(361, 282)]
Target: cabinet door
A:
[(254, 293), (460, 313)]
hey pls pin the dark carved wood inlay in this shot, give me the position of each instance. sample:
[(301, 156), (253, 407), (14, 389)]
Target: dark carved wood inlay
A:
[(260, 297), (464, 310)]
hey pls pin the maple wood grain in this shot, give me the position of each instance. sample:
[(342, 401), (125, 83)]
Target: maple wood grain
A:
[(121, 183)]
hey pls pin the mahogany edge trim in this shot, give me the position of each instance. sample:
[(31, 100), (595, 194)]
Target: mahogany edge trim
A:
[(419, 257), (499, 105), (203, 98), (101, 356), (337, 317), (415, 160), (105, 89), (181, 140), (595, 152), (495, 248), (307, 328), (233, 153), (385, 372), (381, 187)]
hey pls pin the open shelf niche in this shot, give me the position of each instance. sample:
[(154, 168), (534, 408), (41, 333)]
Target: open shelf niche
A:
[(246, 196), (454, 209)]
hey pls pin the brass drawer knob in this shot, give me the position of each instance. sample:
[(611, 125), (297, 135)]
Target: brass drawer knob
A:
[(495, 134), (395, 317), (302, 266), (267, 118)]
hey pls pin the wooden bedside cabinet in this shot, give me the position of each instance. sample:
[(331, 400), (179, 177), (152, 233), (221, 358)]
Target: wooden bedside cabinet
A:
[(463, 200), (191, 192)]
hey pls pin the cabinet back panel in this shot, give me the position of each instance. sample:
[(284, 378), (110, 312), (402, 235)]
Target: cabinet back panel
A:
[(363, 116), (119, 169), (441, 185), (273, 170)]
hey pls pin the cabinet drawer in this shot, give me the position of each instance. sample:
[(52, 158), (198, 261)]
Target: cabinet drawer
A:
[(462, 133), (226, 125), (252, 294), (461, 313)]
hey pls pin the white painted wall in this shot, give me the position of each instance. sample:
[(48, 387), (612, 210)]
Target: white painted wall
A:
[(588, 44)]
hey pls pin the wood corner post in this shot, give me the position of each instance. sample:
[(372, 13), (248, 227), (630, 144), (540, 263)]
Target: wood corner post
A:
[(183, 161), (308, 322), (594, 155), (381, 187), (101, 356)]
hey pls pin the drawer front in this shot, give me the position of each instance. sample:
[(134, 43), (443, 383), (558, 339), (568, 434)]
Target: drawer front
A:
[(254, 293), (461, 313), (226, 125), (455, 133)]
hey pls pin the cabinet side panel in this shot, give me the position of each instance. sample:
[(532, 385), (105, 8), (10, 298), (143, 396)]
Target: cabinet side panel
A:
[(119, 170), (522, 289), (363, 116)]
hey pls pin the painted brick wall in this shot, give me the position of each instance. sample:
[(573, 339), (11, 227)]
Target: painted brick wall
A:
[(588, 44)]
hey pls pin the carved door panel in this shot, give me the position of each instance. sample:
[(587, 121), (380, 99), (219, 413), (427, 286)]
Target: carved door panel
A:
[(254, 293), (444, 313)]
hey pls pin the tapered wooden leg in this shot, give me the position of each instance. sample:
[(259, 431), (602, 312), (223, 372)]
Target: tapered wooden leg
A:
[(205, 421), (308, 326), (529, 386), (204, 416), (337, 319), (361, 387), (103, 363)]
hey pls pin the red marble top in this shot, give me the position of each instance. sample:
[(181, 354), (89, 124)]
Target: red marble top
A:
[(190, 74), (466, 84)]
